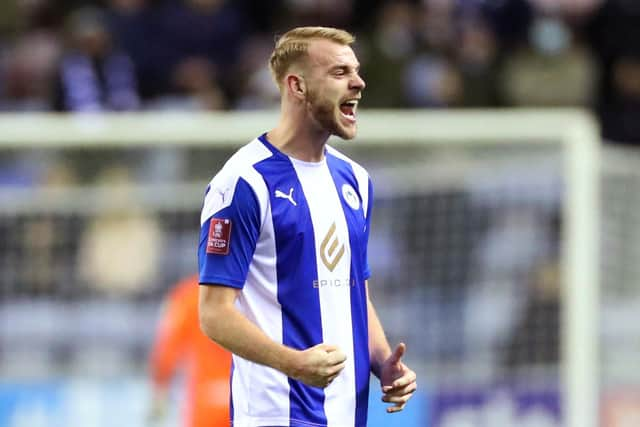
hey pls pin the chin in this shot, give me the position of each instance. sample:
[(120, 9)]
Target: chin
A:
[(349, 134), (331, 120), (344, 131)]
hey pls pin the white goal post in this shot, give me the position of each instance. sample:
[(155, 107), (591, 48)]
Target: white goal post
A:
[(575, 131)]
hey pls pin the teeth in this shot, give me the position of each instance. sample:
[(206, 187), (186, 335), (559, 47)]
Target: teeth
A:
[(353, 104)]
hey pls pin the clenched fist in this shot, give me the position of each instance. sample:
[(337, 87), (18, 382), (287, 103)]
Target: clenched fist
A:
[(318, 365)]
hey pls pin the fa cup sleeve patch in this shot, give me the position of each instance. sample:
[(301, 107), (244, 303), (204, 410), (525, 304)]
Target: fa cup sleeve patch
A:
[(219, 236)]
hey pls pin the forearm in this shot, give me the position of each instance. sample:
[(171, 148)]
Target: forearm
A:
[(232, 330), (379, 349)]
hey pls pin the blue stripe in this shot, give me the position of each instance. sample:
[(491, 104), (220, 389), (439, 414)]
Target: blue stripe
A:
[(342, 173), (296, 270)]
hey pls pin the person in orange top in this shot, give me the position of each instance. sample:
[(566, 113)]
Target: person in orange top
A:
[(179, 343)]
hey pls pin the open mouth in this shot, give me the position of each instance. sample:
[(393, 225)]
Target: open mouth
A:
[(348, 109)]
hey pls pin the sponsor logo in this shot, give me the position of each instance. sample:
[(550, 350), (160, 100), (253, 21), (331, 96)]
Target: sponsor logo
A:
[(351, 197), (331, 251), (280, 195), (219, 236), (333, 283)]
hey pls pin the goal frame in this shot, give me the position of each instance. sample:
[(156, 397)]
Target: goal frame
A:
[(575, 130)]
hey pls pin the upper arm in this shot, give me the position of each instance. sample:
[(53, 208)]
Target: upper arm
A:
[(216, 298), (230, 228)]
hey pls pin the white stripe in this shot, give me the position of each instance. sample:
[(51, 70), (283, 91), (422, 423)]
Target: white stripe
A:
[(238, 388), (223, 184), (335, 301), (262, 396)]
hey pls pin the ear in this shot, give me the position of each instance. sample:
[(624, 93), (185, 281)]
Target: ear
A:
[(296, 85)]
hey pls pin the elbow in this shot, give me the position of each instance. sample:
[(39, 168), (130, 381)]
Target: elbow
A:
[(216, 311), (208, 323)]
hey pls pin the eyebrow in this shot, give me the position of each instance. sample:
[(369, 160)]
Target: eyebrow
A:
[(345, 67)]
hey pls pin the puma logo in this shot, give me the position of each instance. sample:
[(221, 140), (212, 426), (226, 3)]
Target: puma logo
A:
[(280, 195), (222, 193)]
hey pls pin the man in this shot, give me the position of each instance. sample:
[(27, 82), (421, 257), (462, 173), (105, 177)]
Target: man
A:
[(283, 252), (93, 75), (179, 343)]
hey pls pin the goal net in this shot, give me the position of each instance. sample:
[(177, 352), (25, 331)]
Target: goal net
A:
[(484, 250)]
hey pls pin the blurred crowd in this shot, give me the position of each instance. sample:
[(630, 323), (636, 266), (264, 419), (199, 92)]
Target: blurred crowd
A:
[(459, 255), (124, 55)]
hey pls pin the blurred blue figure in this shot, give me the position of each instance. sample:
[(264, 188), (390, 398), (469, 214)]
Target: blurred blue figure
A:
[(92, 75)]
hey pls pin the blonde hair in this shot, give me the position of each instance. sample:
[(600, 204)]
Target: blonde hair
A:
[(293, 45)]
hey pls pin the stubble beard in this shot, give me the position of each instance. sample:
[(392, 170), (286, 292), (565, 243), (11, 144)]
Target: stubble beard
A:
[(323, 112)]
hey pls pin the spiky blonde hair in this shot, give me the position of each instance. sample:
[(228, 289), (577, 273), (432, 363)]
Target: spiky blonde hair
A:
[(293, 45)]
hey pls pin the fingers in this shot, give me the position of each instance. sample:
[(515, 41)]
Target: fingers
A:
[(336, 357), (408, 378), (324, 362), (326, 347), (399, 397), (334, 370), (398, 353), (329, 375), (329, 363), (396, 408), (400, 391)]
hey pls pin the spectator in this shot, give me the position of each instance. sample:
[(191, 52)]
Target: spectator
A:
[(28, 66), (432, 78), (553, 69), (194, 87), (615, 36), (211, 30), (330, 13), (110, 251), (92, 75), (134, 29), (477, 63), (28, 71), (387, 50), (255, 88)]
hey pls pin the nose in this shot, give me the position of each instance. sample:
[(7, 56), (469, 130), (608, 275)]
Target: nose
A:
[(357, 82)]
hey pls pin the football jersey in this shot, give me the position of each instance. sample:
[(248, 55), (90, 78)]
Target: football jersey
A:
[(293, 235)]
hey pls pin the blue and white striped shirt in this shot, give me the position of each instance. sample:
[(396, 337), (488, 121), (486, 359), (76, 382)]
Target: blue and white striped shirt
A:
[(293, 236)]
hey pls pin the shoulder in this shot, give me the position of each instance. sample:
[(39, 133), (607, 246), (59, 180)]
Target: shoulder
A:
[(238, 168), (360, 174), (358, 169), (241, 165)]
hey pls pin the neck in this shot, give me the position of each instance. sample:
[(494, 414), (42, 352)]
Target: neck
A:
[(298, 136)]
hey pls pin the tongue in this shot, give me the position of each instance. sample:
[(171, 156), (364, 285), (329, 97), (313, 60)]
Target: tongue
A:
[(347, 109)]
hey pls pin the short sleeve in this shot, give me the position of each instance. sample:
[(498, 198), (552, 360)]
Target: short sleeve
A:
[(228, 235)]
